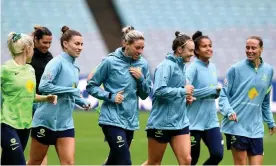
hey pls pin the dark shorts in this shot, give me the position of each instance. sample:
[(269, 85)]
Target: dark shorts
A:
[(254, 146), (165, 136), (13, 143), (119, 141), (49, 137)]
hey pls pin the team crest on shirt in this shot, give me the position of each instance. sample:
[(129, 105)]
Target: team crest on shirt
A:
[(30, 86), (264, 77), (74, 85), (253, 93)]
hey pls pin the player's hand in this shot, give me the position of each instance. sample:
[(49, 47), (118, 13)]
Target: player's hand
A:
[(190, 99), (189, 90), (86, 107), (272, 130), (135, 72), (218, 88), (119, 98), (233, 117), (52, 99)]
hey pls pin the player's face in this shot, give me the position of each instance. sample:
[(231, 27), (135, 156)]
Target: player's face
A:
[(188, 51), (253, 50), (30, 53), (205, 49), (74, 46), (135, 49), (44, 43)]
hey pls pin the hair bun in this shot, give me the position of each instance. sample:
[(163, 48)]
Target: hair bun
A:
[(177, 33), (36, 27), (126, 29), (64, 29), (10, 35), (196, 35)]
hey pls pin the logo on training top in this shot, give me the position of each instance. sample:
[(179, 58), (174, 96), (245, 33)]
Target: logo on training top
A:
[(48, 76), (253, 93), (74, 85), (30, 86), (264, 77), (225, 82)]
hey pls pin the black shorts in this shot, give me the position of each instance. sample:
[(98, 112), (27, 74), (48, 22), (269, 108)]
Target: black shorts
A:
[(49, 137), (165, 136), (254, 146)]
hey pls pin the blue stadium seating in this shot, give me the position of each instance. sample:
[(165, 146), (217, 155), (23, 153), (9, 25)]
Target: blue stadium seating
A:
[(227, 23), (23, 15)]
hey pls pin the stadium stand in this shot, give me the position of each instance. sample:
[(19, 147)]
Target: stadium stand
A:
[(22, 16), (227, 23)]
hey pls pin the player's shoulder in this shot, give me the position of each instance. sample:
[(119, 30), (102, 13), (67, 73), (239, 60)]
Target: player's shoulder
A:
[(55, 62), (7, 65), (192, 65), (239, 64), (30, 67), (267, 66)]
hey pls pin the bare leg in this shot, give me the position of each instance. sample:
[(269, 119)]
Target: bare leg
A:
[(156, 151), (239, 156), (181, 146), (37, 153), (255, 159), (65, 148)]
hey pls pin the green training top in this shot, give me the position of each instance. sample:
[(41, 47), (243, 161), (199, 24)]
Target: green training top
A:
[(17, 94)]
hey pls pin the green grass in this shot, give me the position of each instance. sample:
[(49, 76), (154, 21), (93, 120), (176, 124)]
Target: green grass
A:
[(91, 150)]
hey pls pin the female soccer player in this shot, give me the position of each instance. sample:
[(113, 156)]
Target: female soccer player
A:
[(54, 125), (125, 76), (244, 102), (42, 42), (202, 113), (124, 30), (168, 121), (17, 96)]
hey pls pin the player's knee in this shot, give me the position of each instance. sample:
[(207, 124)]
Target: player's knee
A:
[(188, 160), (185, 160), (67, 162), (34, 161), (154, 161), (217, 156)]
